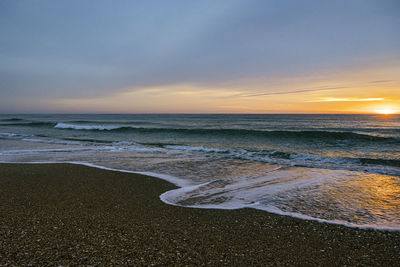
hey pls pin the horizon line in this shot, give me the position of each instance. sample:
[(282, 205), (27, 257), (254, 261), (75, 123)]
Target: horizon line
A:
[(184, 113)]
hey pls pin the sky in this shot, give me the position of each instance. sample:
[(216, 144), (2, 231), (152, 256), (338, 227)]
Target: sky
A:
[(248, 56)]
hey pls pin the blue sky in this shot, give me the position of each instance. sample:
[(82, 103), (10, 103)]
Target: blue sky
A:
[(54, 52)]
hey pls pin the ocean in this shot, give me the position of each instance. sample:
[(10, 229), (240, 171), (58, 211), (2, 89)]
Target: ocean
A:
[(342, 169)]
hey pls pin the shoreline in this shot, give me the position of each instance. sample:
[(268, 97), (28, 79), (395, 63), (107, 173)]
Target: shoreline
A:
[(180, 183), (62, 213)]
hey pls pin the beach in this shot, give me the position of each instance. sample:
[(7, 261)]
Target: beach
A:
[(67, 214)]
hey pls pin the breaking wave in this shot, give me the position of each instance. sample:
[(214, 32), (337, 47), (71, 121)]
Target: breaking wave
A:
[(86, 127), (326, 135)]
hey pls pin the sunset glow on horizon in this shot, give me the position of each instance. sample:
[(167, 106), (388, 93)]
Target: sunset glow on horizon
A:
[(207, 57), (386, 111)]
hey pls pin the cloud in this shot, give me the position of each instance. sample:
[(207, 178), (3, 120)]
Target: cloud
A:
[(78, 49), (381, 81), (348, 99), (291, 92)]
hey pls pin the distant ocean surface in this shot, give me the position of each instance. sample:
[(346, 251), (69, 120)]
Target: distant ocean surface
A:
[(341, 169)]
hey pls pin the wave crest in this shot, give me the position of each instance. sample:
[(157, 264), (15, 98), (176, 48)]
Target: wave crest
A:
[(85, 127), (325, 135)]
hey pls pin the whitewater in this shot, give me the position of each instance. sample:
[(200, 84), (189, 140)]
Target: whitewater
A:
[(342, 169)]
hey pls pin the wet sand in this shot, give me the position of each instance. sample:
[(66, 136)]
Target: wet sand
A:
[(64, 214)]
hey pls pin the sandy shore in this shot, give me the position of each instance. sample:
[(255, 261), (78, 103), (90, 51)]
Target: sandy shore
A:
[(62, 214)]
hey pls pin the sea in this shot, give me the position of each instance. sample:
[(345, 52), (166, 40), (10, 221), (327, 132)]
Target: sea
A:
[(341, 169)]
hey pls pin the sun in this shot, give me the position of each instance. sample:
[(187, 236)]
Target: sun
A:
[(385, 111)]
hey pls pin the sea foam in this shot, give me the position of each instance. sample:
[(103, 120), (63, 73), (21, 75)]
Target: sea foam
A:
[(85, 127)]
